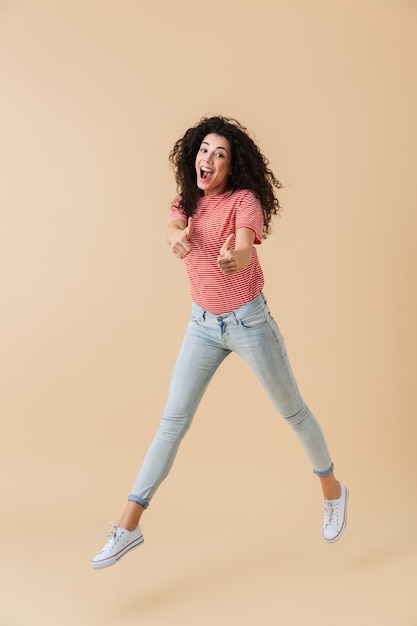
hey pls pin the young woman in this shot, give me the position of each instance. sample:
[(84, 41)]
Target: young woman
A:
[(225, 205)]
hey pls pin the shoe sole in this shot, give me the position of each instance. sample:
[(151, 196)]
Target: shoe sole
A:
[(113, 559), (341, 531)]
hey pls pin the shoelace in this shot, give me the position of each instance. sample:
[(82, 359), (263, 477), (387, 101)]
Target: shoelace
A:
[(330, 511), (112, 534)]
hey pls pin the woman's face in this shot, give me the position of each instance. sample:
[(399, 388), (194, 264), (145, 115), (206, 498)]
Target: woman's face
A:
[(212, 164)]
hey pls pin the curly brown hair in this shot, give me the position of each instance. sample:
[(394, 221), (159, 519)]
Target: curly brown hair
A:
[(250, 169)]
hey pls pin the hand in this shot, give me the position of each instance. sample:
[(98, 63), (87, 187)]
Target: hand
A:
[(180, 240), (226, 261)]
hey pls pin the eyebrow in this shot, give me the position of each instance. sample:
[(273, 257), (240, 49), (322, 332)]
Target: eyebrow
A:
[(218, 147)]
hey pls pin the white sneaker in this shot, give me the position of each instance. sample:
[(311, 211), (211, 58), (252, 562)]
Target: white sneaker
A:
[(335, 514), (119, 543)]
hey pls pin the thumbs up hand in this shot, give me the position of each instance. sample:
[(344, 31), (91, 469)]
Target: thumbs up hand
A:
[(179, 239), (226, 260)]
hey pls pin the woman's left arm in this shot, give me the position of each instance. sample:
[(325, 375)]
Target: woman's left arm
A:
[(231, 261)]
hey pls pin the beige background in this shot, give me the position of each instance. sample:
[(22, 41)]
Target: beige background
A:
[(93, 308)]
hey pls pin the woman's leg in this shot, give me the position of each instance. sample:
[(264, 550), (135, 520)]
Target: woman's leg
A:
[(199, 358), (256, 337), (131, 515), (330, 486)]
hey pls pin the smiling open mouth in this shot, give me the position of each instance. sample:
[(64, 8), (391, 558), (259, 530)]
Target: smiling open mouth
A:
[(205, 174)]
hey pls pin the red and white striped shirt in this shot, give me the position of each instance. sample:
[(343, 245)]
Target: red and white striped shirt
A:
[(215, 218)]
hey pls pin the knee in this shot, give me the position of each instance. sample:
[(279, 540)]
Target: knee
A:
[(299, 419), (173, 427)]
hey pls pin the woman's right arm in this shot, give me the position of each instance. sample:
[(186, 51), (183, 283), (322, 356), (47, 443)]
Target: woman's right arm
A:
[(178, 236)]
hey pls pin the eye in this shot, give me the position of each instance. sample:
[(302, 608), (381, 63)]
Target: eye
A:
[(203, 150), (220, 155)]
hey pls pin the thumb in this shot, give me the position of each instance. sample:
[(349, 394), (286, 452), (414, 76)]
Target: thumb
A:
[(189, 228), (226, 246)]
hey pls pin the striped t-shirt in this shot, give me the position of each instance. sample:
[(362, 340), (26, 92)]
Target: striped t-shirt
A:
[(215, 218)]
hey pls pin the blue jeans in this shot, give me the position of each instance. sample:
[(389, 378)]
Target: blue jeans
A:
[(251, 332)]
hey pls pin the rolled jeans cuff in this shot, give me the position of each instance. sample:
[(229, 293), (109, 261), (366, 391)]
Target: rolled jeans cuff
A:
[(325, 472), (141, 501)]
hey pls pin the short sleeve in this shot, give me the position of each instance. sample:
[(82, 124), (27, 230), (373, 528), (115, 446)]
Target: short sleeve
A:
[(177, 213), (250, 215)]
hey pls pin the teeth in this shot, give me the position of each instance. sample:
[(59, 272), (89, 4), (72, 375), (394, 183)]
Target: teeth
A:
[(205, 172)]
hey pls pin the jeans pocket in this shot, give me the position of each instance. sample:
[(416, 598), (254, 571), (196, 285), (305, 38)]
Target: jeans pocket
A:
[(197, 319), (254, 319)]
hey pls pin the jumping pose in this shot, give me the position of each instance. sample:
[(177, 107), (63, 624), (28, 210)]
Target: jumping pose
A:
[(226, 200)]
